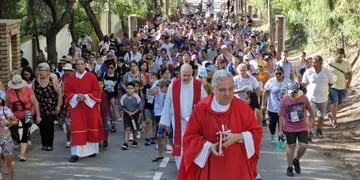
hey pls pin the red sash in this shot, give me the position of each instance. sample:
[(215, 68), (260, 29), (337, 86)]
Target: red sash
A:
[(177, 112)]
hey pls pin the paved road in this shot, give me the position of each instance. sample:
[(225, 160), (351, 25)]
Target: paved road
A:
[(136, 164)]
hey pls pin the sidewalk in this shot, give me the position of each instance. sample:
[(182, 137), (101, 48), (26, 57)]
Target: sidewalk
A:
[(314, 164)]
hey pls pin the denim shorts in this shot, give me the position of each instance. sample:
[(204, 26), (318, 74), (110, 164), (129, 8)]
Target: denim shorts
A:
[(161, 132), (336, 95)]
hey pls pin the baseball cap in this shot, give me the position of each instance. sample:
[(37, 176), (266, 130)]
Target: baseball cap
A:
[(211, 67), (292, 87), (202, 73)]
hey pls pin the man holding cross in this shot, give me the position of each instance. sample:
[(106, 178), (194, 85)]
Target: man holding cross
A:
[(222, 138)]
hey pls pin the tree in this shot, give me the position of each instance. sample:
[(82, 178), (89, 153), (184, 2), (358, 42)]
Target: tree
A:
[(91, 15)]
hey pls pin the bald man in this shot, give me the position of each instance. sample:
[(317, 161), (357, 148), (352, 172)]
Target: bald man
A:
[(181, 97)]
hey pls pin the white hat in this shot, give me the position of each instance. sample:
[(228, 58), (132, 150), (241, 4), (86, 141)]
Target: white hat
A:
[(16, 82), (68, 67)]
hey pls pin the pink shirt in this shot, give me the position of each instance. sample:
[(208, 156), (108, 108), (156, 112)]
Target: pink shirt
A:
[(14, 104), (295, 113)]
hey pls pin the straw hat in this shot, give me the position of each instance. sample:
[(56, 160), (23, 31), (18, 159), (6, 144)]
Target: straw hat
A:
[(16, 82), (68, 67)]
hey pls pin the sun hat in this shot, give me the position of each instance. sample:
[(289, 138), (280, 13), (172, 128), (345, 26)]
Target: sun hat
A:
[(68, 67), (16, 82)]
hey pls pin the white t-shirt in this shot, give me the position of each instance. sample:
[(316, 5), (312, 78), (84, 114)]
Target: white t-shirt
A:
[(249, 83), (133, 57), (317, 89), (276, 93)]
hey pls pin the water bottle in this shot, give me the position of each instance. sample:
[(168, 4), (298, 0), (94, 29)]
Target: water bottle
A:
[(280, 144)]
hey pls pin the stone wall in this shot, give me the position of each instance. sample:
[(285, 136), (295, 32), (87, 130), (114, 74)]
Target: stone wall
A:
[(9, 49)]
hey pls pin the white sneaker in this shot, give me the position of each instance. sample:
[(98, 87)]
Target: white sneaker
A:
[(67, 144), (1, 176), (258, 177), (168, 147), (157, 146), (131, 137)]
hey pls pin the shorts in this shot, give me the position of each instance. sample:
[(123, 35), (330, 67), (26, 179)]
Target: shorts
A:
[(336, 95), (106, 123), (301, 136), (6, 144), (161, 132), (148, 114), (319, 109), (128, 123)]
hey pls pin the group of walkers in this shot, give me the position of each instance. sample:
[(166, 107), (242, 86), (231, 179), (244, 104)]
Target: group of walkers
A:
[(152, 82)]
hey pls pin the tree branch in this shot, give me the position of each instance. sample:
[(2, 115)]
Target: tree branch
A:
[(52, 6), (66, 16)]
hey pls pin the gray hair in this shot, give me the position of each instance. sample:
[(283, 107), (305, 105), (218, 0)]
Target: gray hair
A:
[(220, 75), (318, 58), (43, 66)]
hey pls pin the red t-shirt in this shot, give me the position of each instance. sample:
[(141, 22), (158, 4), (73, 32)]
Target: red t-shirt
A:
[(16, 106), (104, 105), (295, 113)]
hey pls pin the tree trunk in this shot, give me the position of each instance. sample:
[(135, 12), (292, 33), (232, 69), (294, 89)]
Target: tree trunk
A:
[(72, 27), (51, 45), (90, 13)]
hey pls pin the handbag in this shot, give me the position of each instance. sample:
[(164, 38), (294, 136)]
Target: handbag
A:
[(28, 114)]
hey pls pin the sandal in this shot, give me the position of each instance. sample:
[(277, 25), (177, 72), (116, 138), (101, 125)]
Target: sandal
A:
[(332, 121), (156, 159)]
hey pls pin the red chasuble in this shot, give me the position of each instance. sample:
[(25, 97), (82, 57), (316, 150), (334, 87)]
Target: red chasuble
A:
[(177, 111), (86, 124), (202, 126)]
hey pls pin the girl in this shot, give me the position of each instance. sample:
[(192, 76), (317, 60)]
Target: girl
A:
[(7, 119)]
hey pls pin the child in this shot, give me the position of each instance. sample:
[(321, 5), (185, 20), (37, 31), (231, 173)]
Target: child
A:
[(131, 105), (148, 100), (105, 113), (163, 86), (137, 91), (7, 119)]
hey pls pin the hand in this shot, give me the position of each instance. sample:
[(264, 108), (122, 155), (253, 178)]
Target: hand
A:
[(281, 133), (81, 97), (214, 149), (231, 138), (57, 109), (3, 122), (38, 120)]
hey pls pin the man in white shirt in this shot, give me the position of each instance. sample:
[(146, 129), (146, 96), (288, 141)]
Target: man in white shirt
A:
[(318, 80), (133, 55)]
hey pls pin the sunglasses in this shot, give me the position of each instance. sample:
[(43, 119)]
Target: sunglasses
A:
[(148, 58), (111, 67), (278, 73)]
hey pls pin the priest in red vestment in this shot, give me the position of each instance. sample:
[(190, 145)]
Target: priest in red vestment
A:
[(181, 97), (222, 138), (83, 95)]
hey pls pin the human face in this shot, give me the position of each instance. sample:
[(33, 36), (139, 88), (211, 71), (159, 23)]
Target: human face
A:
[(134, 67), (43, 73), (137, 87), (186, 75), (243, 71), (143, 67), (284, 55), (101, 84), (92, 59), (224, 91), (130, 90), (152, 78), (111, 68), (317, 65), (186, 58), (340, 57), (27, 75), (80, 66), (279, 75), (167, 75)]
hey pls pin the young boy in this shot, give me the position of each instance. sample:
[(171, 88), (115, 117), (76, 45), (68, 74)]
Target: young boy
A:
[(163, 86), (105, 113), (148, 100), (295, 124), (131, 105)]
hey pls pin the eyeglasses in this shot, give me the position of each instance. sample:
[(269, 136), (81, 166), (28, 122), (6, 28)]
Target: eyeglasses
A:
[(111, 67), (278, 73)]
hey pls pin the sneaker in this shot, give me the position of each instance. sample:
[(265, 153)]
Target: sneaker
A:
[(125, 146), (258, 177), (272, 139), (147, 142), (168, 147), (289, 172), (67, 145), (152, 141), (113, 129), (319, 133), (134, 144), (264, 123), (296, 164), (131, 137)]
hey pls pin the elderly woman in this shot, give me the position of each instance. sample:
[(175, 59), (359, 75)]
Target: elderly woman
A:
[(48, 94), (22, 101)]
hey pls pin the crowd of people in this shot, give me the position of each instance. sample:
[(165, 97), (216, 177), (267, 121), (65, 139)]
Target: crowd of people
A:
[(199, 84)]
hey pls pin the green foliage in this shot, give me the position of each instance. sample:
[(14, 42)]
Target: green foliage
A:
[(319, 22), (82, 23), (124, 8), (9, 9)]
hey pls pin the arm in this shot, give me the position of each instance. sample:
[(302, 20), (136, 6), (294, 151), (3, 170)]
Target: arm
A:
[(59, 93), (154, 90), (35, 103)]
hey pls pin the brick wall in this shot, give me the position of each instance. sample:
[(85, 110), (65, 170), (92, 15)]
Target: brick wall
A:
[(9, 36)]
